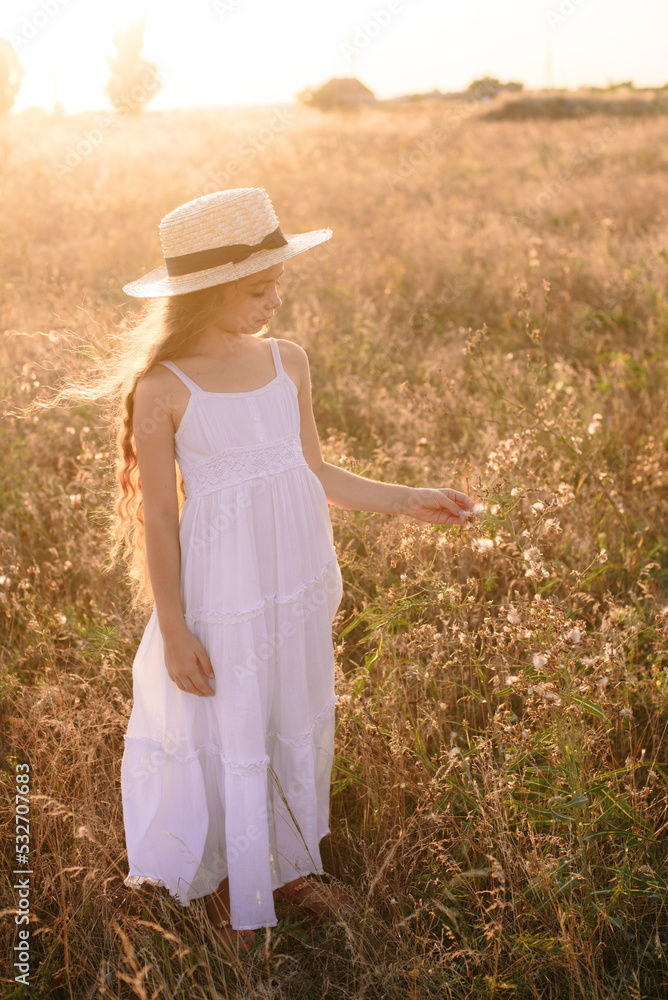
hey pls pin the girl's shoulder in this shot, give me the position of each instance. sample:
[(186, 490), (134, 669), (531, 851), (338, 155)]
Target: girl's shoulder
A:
[(289, 349), (158, 379), (159, 393), (160, 390), (294, 360)]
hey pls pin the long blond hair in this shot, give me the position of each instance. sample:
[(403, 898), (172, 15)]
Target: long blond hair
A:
[(163, 331)]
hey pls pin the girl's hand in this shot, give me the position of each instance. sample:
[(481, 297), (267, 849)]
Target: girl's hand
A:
[(188, 663), (442, 506)]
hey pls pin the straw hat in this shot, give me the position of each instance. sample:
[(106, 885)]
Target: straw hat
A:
[(220, 237)]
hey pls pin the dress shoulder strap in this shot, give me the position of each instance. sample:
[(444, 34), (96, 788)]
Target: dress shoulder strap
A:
[(277, 355), (193, 386)]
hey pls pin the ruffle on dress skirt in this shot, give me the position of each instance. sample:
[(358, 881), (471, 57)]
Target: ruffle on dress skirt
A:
[(235, 785), (263, 821)]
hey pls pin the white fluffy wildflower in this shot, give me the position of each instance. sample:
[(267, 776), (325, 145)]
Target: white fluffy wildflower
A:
[(476, 511), (483, 544), (595, 424)]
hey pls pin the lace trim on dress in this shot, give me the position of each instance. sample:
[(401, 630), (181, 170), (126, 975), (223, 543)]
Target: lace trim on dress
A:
[(234, 766), (236, 465), (210, 617)]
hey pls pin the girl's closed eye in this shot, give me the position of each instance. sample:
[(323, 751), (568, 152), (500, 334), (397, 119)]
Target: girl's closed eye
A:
[(261, 295)]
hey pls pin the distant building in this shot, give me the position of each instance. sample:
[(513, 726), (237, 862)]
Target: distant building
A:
[(339, 92)]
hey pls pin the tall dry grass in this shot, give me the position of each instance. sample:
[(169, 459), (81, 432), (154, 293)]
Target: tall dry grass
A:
[(499, 793)]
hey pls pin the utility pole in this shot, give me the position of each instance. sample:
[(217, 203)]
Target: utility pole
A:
[(549, 80), (54, 85), (352, 64)]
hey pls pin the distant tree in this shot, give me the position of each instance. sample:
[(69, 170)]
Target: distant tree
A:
[(487, 85), (11, 75), (133, 80), (490, 86)]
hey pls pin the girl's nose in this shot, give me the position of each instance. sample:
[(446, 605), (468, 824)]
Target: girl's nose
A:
[(275, 299)]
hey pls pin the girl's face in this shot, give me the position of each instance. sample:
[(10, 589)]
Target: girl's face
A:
[(251, 302)]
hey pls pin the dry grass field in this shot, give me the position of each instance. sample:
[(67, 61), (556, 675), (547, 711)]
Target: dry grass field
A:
[(492, 310)]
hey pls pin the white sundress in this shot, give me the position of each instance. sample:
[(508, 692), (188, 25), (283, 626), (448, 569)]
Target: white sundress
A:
[(238, 784)]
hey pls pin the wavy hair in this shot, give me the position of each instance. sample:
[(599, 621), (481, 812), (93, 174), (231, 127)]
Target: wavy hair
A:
[(163, 331)]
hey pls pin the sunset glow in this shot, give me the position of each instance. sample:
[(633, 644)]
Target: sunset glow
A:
[(222, 52)]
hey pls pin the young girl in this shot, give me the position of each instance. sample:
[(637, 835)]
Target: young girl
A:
[(229, 747)]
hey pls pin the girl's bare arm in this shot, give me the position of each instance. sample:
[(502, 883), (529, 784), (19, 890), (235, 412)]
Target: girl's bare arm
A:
[(154, 441), (345, 489), (185, 657)]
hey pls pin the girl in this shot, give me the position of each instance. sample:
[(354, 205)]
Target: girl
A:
[(228, 751)]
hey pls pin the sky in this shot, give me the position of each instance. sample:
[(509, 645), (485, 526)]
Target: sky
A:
[(231, 52)]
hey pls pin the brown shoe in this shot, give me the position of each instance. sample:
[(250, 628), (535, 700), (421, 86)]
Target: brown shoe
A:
[(318, 900)]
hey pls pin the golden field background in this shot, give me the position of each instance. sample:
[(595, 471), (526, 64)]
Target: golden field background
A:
[(492, 312)]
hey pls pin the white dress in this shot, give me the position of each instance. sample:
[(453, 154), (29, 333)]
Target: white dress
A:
[(238, 784)]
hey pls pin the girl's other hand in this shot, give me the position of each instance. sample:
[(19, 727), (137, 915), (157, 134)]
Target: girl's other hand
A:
[(442, 506), (188, 663)]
